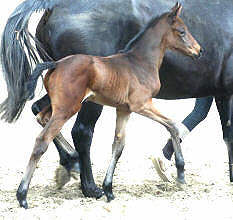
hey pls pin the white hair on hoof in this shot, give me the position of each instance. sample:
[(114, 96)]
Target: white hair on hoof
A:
[(74, 174), (62, 176)]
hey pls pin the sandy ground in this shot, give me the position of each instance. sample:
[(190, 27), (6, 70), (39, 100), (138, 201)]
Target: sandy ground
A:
[(139, 191)]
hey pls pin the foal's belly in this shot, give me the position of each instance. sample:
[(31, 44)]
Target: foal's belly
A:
[(102, 100)]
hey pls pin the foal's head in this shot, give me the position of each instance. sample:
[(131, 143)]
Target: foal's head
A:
[(178, 36)]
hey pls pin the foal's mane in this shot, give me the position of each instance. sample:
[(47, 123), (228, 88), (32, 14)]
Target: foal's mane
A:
[(139, 35)]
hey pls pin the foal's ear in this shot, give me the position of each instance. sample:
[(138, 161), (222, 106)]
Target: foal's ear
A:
[(175, 12)]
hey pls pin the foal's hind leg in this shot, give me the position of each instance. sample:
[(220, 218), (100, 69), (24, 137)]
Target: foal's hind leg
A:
[(52, 128), (71, 166), (46, 136), (149, 110), (117, 148), (69, 158)]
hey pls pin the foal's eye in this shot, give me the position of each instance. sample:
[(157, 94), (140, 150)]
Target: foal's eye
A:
[(182, 33)]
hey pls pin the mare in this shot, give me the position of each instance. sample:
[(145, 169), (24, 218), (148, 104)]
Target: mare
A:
[(102, 27), (127, 81)]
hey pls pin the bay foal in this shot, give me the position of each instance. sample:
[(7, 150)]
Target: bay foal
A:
[(126, 81)]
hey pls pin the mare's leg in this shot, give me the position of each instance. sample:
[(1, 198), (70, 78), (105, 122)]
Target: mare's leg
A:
[(222, 105), (149, 110), (82, 134), (117, 148), (199, 113), (69, 158)]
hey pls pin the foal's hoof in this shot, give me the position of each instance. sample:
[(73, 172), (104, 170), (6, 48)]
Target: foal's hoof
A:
[(21, 195), (110, 197), (163, 172), (22, 200), (23, 204), (181, 181), (94, 192), (108, 192)]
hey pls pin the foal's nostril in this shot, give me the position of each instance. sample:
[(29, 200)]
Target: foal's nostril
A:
[(201, 51)]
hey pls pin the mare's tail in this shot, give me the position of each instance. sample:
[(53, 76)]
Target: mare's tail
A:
[(18, 55)]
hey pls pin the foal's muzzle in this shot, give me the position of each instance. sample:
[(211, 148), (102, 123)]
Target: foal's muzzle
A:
[(199, 55)]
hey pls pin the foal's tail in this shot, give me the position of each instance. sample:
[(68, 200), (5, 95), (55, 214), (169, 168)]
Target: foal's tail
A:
[(30, 85), (18, 54)]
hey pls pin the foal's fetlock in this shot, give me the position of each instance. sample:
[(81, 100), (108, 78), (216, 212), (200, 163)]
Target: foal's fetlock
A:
[(180, 175), (180, 170)]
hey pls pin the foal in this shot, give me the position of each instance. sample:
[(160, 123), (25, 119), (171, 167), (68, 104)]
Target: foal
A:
[(127, 81)]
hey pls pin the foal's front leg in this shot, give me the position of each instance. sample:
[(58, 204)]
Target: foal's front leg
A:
[(117, 148), (149, 110)]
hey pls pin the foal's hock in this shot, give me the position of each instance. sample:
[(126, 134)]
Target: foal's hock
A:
[(126, 81)]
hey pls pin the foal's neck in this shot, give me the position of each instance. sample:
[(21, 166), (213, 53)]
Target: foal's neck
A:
[(151, 47)]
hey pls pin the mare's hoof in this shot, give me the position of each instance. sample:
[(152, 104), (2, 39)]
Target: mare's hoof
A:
[(94, 192), (62, 176), (163, 172)]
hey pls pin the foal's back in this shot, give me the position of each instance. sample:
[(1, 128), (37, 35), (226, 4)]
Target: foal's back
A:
[(111, 79)]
